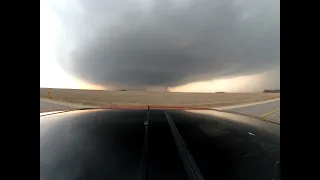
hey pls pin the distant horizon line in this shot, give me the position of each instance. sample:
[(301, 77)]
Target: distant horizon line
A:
[(124, 90)]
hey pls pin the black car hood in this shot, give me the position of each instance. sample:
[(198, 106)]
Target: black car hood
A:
[(157, 144)]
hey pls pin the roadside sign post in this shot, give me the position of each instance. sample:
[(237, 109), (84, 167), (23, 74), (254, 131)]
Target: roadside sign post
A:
[(49, 92)]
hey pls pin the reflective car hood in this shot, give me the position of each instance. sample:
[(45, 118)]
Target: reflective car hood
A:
[(157, 144)]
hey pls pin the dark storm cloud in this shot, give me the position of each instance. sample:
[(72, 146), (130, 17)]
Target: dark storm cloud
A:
[(169, 43)]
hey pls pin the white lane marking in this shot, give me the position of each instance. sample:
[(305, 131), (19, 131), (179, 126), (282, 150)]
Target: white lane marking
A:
[(51, 112), (251, 134)]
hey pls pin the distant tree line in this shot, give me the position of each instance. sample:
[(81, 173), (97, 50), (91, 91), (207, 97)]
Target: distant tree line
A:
[(271, 91)]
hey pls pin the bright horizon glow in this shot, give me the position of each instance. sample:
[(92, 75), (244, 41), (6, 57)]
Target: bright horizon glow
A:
[(233, 84), (220, 85), (51, 75)]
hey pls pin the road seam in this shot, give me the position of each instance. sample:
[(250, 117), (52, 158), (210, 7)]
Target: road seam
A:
[(186, 157), (144, 157)]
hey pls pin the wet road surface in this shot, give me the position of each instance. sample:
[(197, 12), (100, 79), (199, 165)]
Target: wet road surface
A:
[(229, 153), (108, 144), (164, 161)]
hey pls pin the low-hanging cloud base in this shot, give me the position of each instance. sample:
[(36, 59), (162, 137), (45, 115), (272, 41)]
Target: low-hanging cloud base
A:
[(170, 43)]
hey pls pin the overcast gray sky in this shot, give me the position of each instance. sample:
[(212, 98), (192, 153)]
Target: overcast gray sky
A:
[(168, 43)]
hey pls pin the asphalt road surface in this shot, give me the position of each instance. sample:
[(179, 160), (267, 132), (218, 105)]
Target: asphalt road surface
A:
[(268, 109), (109, 144)]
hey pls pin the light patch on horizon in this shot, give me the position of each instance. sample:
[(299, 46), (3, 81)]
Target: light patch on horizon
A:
[(236, 84), (249, 83), (54, 77)]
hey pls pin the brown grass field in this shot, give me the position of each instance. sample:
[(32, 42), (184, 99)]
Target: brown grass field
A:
[(106, 98)]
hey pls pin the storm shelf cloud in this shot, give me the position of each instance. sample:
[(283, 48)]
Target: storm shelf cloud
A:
[(168, 43)]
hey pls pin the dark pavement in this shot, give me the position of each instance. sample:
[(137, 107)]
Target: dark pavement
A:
[(222, 151), (108, 144)]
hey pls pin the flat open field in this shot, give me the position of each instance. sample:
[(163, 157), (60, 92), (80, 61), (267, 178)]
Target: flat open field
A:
[(105, 98)]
